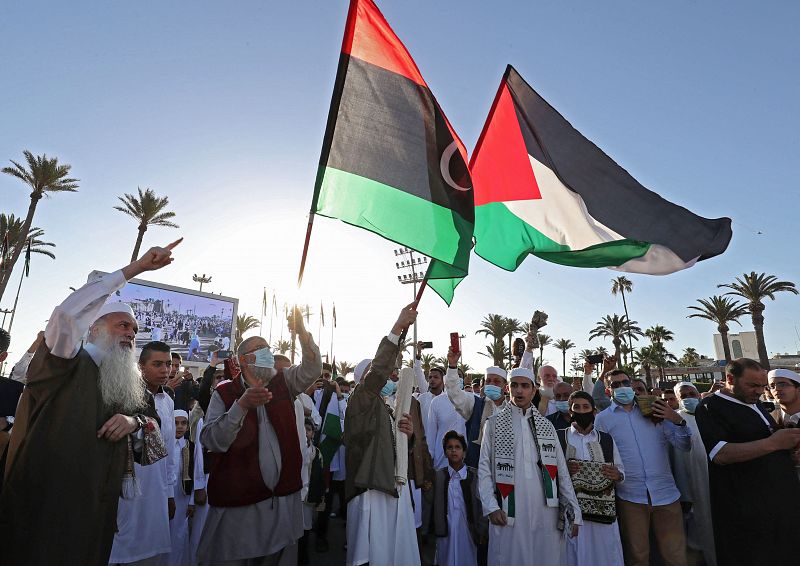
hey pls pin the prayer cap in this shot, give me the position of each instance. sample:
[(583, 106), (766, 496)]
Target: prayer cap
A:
[(110, 308), (360, 369), (523, 372), (181, 413), (677, 388), (494, 370), (785, 373)]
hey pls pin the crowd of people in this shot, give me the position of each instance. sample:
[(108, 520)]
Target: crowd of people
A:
[(114, 458)]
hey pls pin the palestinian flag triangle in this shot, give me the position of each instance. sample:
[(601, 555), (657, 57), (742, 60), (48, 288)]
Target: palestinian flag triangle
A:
[(391, 163), (542, 188)]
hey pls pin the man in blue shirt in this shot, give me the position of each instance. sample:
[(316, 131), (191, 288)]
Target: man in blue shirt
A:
[(648, 495)]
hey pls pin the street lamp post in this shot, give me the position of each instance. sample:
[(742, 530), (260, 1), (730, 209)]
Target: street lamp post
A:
[(412, 273), (201, 279)]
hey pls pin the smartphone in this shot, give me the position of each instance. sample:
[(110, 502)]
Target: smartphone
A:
[(455, 342), (425, 345), (595, 359), (224, 354)]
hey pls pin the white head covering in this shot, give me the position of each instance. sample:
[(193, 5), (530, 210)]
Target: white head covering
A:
[(181, 413), (785, 373), (523, 372), (360, 369), (500, 372), (677, 388), (109, 308)]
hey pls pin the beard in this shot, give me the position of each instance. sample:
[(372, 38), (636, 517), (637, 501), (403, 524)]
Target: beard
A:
[(121, 385), (264, 375)]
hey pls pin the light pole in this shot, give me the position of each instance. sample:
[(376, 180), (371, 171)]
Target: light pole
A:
[(201, 279), (5, 312), (410, 274)]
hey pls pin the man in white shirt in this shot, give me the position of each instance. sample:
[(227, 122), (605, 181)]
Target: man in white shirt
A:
[(785, 386)]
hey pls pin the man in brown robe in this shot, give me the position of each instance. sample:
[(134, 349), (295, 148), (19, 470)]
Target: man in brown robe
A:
[(69, 449)]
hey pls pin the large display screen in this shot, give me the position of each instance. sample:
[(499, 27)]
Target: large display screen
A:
[(192, 323)]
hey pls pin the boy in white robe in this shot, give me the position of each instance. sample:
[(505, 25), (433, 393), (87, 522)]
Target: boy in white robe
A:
[(190, 478)]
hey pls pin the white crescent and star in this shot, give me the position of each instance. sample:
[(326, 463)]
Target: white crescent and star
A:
[(444, 166)]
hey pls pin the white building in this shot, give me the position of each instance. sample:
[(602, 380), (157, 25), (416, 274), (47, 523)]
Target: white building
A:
[(743, 345)]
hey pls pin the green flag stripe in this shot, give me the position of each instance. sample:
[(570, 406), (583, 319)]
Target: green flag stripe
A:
[(401, 217), (505, 240)]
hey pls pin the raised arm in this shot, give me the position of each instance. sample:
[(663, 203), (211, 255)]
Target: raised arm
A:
[(383, 363), (422, 383), (299, 377)]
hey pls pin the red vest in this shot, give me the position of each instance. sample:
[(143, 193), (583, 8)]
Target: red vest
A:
[(235, 478)]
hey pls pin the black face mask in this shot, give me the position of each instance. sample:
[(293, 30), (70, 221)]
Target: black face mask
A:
[(583, 419)]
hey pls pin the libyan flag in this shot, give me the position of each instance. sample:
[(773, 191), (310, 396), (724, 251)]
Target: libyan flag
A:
[(391, 163), (542, 188)]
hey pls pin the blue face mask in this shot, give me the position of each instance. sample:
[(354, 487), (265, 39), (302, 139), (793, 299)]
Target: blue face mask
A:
[(562, 406), (690, 404), (461, 383), (389, 389), (623, 395), (492, 392), (264, 358)]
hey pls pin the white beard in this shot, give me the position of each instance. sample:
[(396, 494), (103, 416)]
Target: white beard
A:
[(121, 384), (264, 375)]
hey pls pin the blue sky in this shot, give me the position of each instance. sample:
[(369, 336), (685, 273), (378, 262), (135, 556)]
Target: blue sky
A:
[(222, 107)]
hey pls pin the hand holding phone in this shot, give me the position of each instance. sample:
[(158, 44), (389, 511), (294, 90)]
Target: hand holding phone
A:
[(455, 343)]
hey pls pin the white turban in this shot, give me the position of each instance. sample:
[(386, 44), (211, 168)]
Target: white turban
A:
[(677, 388), (785, 373), (358, 372), (117, 306), (523, 372), (181, 413), (500, 372)]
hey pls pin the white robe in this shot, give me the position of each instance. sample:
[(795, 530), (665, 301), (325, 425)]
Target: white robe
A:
[(535, 530), (200, 511), (143, 522), (457, 548), (179, 525), (442, 417), (597, 544), (691, 477)]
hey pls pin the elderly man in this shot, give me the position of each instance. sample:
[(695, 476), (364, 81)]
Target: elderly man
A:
[(522, 477), (561, 418), (785, 386), (747, 454), (69, 447), (255, 511)]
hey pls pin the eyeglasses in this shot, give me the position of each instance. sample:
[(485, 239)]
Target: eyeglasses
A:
[(623, 383)]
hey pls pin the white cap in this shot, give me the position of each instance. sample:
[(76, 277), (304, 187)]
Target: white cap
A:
[(523, 372), (677, 388), (358, 372), (117, 306), (785, 373), (181, 413), (494, 370)]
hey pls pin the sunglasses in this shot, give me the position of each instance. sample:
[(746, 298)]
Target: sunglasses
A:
[(623, 383)]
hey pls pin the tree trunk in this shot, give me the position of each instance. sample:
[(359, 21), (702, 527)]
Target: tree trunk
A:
[(756, 311), (20, 244), (647, 376), (628, 320), (139, 238), (563, 363), (726, 348), (617, 343)]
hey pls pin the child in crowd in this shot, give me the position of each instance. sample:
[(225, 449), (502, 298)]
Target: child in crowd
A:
[(188, 478), (313, 489)]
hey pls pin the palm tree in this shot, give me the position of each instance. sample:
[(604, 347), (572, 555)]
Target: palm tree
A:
[(614, 327), (544, 340), (11, 226), (647, 357), (244, 322), (754, 288), (563, 344), (623, 285), (147, 210), (690, 357), (427, 361), (658, 334), (512, 326), (498, 352), (44, 176), (343, 368), (498, 327), (721, 310), (283, 346), (464, 367)]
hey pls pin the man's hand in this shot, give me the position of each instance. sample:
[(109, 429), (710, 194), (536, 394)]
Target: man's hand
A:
[(588, 368), (338, 391), (609, 363), (498, 518), (573, 466), (785, 439), (153, 259), (404, 425), (452, 357), (174, 382), (295, 322), (37, 342), (200, 497), (171, 508), (254, 397), (117, 427), (190, 511), (427, 485), (611, 472), (663, 411), (530, 342), (214, 361), (407, 317)]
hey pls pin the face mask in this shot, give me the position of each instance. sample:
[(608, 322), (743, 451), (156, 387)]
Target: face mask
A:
[(389, 389), (583, 419), (562, 406), (493, 392), (690, 404), (264, 358), (345, 396), (623, 395), (461, 383)]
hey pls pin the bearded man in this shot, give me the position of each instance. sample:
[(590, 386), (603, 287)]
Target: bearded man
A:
[(68, 450)]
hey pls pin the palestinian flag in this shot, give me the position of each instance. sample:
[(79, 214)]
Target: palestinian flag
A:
[(391, 163), (330, 435), (542, 188)]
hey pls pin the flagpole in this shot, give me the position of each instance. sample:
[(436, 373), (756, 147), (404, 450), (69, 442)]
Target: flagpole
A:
[(417, 300), (16, 299), (263, 306), (271, 317)]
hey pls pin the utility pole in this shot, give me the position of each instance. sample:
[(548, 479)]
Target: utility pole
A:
[(201, 279), (412, 272)]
